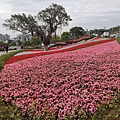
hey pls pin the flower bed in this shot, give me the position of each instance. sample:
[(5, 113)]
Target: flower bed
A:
[(22, 57), (63, 84)]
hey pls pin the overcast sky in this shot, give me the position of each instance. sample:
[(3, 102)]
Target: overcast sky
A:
[(89, 14)]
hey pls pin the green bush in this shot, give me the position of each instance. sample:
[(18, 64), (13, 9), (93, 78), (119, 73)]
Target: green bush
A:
[(5, 57)]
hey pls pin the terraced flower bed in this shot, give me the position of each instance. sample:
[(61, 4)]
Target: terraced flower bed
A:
[(64, 85)]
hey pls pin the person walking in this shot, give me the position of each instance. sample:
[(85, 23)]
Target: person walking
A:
[(3, 48), (6, 47)]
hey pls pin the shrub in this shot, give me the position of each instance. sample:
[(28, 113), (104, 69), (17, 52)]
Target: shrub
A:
[(5, 57)]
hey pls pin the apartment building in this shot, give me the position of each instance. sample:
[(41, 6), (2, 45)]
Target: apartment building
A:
[(5, 37)]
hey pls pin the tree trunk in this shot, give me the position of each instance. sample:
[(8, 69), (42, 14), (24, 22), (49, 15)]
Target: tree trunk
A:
[(55, 36), (32, 33), (45, 48)]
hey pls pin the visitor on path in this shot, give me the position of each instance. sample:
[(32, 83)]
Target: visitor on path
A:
[(22, 47), (3, 48), (26, 46), (6, 47)]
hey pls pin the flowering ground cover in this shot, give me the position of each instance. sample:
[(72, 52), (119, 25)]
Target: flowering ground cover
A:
[(64, 84), (22, 57)]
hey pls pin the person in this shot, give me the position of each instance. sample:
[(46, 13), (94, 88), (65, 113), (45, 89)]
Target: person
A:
[(26, 46), (22, 47), (6, 47), (3, 48)]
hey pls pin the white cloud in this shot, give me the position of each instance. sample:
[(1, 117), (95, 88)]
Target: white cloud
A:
[(88, 14)]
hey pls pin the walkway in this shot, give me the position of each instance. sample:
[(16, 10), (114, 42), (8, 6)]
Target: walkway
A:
[(2, 53)]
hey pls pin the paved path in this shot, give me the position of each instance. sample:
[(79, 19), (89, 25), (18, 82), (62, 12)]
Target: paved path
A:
[(1, 53)]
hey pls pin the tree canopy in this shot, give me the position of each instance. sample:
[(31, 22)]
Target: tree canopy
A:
[(21, 23), (54, 16), (77, 31), (65, 36)]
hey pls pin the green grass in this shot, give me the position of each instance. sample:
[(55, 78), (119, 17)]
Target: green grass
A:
[(5, 57), (118, 40)]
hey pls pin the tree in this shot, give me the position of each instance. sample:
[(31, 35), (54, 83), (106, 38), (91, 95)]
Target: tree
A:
[(65, 36), (55, 39), (11, 43), (77, 32), (52, 17), (21, 23), (97, 32), (18, 42), (35, 41)]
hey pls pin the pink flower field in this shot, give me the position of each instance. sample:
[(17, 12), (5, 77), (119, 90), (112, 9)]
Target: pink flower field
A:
[(63, 84)]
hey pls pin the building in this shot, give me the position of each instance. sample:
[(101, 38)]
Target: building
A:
[(106, 34), (117, 35), (0, 36), (5, 37)]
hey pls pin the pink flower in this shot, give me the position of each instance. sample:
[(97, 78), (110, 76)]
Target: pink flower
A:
[(63, 82), (51, 110)]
